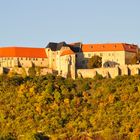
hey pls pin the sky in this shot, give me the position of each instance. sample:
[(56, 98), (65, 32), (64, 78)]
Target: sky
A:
[(35, 23)]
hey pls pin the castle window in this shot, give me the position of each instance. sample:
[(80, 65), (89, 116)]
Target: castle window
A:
[(21, 58), (101, 54), (42, 59), (33, 58), (89, 55), (29, 58), (36, 59), (109, 54)]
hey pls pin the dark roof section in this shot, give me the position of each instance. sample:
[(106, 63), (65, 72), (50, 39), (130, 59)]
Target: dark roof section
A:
[(76, 47), (52, 46), (60, 45), (56, 46)]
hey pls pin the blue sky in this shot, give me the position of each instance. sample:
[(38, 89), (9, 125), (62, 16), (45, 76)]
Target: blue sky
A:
[(37, 22)]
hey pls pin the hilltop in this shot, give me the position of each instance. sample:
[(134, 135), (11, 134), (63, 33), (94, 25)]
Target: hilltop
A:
[(49, 107)]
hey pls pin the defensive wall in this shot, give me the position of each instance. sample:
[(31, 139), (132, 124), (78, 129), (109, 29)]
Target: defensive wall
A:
[(84, 73), (110, 72), (24, 71)]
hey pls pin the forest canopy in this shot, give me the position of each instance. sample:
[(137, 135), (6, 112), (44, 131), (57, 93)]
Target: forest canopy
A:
[(50, 107)]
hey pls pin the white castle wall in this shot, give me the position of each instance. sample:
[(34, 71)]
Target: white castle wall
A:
[(109, 72)]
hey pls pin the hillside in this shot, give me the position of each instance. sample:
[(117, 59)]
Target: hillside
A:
[(49, 107)]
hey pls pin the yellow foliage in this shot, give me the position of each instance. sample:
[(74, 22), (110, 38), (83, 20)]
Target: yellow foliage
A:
[(66, 101), (24, 74), (85, 94), (38, 109), (124, 97), (54, 106), (31, 89), (11, 73), (101, 104), (21, 90), (111, 98)]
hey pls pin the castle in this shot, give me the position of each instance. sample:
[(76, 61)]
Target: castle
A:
[(66, 59)]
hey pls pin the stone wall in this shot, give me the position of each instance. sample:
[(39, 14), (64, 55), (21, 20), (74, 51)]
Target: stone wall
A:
[(85, 73), (24, 71), (109, 72), (11, 62)]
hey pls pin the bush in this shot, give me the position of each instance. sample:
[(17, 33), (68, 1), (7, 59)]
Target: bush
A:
[(32, 71), (94, 62)]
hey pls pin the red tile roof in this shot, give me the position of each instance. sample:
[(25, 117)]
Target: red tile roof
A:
[(15, 51), (66, 52), (109, 47)]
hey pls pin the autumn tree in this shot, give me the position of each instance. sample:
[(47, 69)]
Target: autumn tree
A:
[(50, 107), (134, 60), (94, 62), (32, 71)]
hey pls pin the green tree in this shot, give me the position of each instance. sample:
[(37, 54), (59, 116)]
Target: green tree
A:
[(32, 71), (94, 62), (135, 59)]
